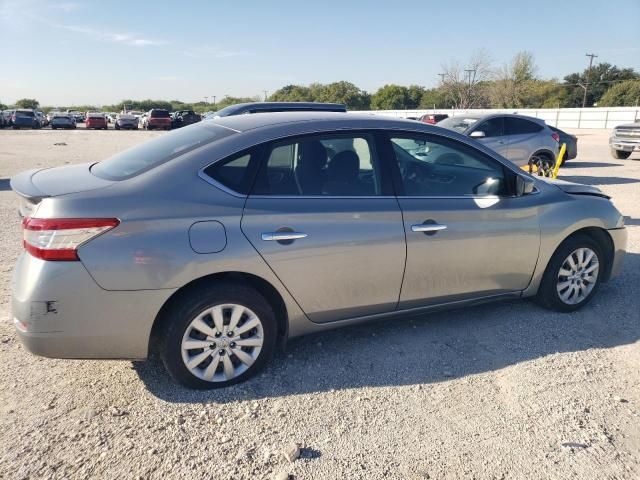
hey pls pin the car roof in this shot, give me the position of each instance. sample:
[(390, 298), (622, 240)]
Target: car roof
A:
[(323, 120), (242, 107)]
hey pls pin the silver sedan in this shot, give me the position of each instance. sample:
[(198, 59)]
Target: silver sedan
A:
[(215, 243)]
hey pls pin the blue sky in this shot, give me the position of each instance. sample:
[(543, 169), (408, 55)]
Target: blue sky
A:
[(65, 52)]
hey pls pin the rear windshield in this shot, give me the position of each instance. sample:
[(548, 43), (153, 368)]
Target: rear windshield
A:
[(160, 113), (23, 113), (150, 154)]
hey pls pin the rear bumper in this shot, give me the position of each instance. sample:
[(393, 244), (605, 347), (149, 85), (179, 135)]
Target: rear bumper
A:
[(60, 312), (619, 238)]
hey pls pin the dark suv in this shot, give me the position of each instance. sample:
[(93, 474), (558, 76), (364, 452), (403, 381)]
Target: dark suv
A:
[(157, 118), (182, 118)]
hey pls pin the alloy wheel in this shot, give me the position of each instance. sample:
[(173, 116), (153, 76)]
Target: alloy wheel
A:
[(578, 276), (222, 342)]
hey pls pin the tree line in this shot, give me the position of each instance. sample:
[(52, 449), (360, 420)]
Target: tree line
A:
[(476, 83)]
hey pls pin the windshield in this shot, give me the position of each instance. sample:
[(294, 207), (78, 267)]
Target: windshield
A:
[(160, 113), (150, 154), (22, 113), (459, 124)]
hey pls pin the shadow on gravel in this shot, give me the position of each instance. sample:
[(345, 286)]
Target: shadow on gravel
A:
[(430, 348), (578, 164), (4, 185), (587, 180)]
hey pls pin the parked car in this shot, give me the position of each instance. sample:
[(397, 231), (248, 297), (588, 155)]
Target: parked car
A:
[(5, 118), (3, 122), (523, 140), (270, 107), (126, 121), (79, 117), (111, 117), (42, 119), (571, 141), (624, 140), (433, 118), (51, 114), (62, 120), (215, 243), (24, 118), (157, 119), (96, 121), (182, 118)]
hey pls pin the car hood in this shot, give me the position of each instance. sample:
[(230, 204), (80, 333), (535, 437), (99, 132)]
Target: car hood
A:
[(574, 188)]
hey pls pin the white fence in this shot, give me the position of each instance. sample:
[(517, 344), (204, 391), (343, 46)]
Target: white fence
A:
[(608, 117)]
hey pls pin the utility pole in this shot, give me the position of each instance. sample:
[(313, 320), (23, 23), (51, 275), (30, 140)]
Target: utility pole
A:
[(206, 99), (442, 75), (469, 71), (586, 87), (265, 95), (214, 100)]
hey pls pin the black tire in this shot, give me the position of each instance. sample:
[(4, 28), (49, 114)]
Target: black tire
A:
[(620, 154), (548, 296), (117, 127), (179, 315)]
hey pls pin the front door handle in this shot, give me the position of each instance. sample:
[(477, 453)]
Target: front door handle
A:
[(282, 236), (428, 227)]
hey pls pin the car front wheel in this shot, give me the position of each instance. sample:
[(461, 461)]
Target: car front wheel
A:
[(573, 275), (620, 154), (217, 336)]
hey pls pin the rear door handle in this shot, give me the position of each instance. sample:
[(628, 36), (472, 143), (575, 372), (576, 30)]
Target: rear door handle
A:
[(428, 227), (282, 236)]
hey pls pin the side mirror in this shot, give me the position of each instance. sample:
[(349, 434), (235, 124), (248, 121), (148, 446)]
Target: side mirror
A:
[(524, 185), (478, 134)]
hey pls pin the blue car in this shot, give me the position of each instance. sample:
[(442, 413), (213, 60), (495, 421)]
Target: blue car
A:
[(24, 119)]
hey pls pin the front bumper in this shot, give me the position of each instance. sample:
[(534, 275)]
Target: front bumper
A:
[(626, 145), (60, 312), (619, 238)]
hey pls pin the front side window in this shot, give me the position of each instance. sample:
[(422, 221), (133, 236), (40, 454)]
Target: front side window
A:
[(494, 127), (439, 167), (340, 165)]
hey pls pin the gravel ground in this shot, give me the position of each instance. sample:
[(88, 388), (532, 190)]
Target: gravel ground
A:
[(506, 390)]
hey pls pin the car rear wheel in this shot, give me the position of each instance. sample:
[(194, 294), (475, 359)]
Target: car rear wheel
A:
[(573, 275), (620, 154), (217, 336)]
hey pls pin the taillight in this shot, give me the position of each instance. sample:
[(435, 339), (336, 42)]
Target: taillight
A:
[(556, 137), (58, 239)]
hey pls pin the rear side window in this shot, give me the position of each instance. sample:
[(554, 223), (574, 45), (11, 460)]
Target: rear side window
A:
[(150, 154), (520, 126), (340, 165)]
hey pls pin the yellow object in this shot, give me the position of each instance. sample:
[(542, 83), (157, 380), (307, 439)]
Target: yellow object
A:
[(556, 169), (533, 168)]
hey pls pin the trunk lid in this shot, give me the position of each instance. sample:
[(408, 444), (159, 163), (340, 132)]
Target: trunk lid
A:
[(34, 185)]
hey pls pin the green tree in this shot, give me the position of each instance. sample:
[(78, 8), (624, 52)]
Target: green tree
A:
[(3, 106), (341, 92), (623, 94), (292, 93), (414, 96), (390, 97), (30, 103), (433, 98), (603, 76)]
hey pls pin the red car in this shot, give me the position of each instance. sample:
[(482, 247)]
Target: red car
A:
[(157, 118), (96, 121), (433, 118)]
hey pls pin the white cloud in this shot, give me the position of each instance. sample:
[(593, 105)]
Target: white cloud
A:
[(213, 51), (112, 37)]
